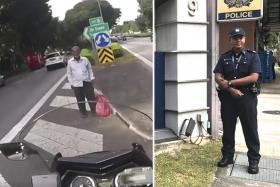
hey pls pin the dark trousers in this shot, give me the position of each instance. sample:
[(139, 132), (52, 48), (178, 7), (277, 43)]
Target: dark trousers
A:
[(246, 109), (87, 91)]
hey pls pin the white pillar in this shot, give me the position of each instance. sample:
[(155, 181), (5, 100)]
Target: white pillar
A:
[(181, 32)]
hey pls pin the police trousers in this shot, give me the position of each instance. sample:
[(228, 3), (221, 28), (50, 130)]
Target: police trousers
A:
[(87, 91), (245, 108)]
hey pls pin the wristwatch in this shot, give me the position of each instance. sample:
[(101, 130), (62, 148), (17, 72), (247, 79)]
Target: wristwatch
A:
[(229, 83)]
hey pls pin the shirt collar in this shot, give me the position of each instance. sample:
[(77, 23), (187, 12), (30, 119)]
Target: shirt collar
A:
[(77, 60), (242, 51)]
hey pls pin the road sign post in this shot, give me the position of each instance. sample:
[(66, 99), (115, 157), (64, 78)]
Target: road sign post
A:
[(98, 34), (95, 21)]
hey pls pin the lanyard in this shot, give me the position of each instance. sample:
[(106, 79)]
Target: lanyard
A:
[(238, 61)]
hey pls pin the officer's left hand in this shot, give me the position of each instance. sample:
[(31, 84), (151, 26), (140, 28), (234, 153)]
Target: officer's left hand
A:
[(235, 92), (224, 84)]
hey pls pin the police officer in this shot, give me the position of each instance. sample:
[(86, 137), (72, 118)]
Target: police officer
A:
[(235, 73)]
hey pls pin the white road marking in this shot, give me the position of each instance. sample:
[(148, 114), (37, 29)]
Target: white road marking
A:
[(66, 86), (148, 62), (3, 182), (69, 141), (20, 125), (59, 101)]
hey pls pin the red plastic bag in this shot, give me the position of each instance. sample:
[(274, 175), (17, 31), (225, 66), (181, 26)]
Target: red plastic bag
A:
[(103, 107)]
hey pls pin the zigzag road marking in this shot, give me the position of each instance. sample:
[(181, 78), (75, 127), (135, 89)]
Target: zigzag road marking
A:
[(69, 141), (59, 101), (66, 86), (3, 182)]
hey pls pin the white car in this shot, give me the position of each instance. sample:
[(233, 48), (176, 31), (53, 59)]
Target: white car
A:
[(54, 59)]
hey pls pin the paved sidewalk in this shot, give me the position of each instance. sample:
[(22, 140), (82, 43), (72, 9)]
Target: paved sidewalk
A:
[(269, 132)]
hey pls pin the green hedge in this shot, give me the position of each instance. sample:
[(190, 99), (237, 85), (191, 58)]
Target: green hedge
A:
[(140, 35), (117, 50), (88, 53)]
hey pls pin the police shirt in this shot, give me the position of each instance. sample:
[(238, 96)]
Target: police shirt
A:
[(236, 67)]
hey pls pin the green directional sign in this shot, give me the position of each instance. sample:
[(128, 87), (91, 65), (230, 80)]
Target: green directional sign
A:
[(92, 30), (85, 33), (95, 21)]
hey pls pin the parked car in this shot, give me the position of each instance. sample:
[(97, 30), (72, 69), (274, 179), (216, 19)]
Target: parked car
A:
[(67, 55), (121, 37), (114, 38), (34, 60), (54, 59), (2, 80)]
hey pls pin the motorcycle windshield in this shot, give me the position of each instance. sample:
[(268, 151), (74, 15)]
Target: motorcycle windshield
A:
[(64, 129)]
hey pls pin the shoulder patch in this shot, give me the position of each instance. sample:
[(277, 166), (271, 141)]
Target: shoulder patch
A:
[(228, 52), (249, 50)]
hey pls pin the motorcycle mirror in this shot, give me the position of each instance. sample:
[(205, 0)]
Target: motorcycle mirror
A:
[(14, 151), (132, 177)]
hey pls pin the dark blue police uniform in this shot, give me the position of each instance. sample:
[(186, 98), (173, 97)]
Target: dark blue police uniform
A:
[(245, 107)]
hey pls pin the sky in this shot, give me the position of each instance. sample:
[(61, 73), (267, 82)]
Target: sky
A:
[(129, 8)]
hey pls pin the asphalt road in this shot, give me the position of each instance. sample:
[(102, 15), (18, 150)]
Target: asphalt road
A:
[(21, 93), (141, 46)]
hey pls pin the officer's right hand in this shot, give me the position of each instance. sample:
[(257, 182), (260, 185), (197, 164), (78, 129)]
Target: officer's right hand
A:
[(235, 92)]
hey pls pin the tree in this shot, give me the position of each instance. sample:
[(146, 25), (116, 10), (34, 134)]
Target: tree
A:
[(145, 19), (77, 18), (30, 19), (127, 27), (24, 27)]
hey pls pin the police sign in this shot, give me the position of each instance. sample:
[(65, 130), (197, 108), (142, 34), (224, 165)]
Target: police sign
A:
[(231, 10)]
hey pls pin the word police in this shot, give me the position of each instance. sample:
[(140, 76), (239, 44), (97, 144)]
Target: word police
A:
[(238, 15)]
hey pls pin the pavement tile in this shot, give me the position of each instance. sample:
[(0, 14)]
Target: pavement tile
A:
[(265, 162), (264, 175)]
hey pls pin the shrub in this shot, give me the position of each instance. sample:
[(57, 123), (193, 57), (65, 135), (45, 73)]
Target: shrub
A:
[(88, 53), (117, 50)]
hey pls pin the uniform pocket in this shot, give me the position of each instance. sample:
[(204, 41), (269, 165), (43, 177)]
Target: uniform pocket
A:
[(228, 67), (243, 67)]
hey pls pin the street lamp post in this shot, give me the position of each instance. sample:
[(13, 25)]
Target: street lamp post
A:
[(100, 9)]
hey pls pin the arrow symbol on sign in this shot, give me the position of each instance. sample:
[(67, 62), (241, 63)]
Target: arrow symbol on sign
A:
[(106, 39), (98, 41)]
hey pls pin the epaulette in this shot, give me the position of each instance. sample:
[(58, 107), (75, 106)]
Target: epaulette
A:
[(228, 52), (251, 51)]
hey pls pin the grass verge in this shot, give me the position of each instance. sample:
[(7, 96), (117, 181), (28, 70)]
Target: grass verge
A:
[(188, 168)]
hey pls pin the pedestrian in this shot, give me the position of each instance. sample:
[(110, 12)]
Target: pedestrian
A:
[(81, 77), (235, 73)]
